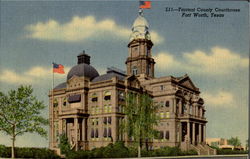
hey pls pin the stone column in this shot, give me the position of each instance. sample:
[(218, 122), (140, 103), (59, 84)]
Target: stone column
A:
[(200, 133), (193, 142), (76, 132), (188, 131), (174, 105), (201, 112), (115, 128), (83, 129), (60, 126), (180, 132), (188, 108), (194, 109), (204, 133), (180, 106)]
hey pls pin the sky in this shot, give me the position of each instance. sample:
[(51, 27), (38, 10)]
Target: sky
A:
[(213, 51)]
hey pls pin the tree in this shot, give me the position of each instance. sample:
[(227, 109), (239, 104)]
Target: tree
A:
[(140, 118), (20, 112), (234, 141)]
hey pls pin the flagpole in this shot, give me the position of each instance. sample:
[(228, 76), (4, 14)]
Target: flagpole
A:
[(52, 108)]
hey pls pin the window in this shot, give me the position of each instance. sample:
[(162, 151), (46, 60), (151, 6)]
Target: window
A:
[(109, 120), (134, 70), (74, 98), (121, 96), (55, 103), (109, 132), (105, 120), (96, 109), (94, 97), (167, 103), (120, 108), (147, 52), (161, 135), (107, 108), (161, 115), (64, 102), (148, 69), (92, 133), (96, 121), (161, 103), (167, 135), (167, 114), (105, 132), (161, 87), (96, 133), (107, 95)]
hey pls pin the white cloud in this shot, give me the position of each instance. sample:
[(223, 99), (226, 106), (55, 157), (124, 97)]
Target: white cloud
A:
[(9, 76), (81, 28), (219, 61), (165, 60), (221, 98), (33, 75)]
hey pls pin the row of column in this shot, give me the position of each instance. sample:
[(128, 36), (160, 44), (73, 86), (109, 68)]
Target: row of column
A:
[(76, 135), (194, 132), (193, 111)]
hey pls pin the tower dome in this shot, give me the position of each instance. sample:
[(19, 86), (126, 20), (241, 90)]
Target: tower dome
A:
[(83, 68), (140, 28)]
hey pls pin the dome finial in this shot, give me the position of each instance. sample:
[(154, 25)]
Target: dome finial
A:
[(140, 12)]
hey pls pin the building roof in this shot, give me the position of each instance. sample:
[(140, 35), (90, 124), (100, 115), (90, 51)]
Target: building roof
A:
[(110, 74), (83, 69), (61, 86), (140, 28)]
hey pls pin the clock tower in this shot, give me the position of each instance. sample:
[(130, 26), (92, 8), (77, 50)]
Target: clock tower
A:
[(140, 59)]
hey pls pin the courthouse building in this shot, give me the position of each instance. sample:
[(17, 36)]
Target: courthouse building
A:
[(89, 107)]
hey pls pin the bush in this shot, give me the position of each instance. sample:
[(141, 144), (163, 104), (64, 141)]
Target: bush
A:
[(5, 151), (117, 150), (78, 154), (28, 152), (228, 152)]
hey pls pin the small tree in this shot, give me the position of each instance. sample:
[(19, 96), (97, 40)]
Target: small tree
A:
[(141, 117), (20, 112), (64, 144), (234, 141)]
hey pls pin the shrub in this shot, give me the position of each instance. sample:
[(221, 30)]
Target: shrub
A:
[(78, 154), (64, 144), (228, 151), (28, 152), (5, 151)]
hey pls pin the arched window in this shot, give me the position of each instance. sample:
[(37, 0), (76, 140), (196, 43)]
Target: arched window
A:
[(167, 103), (94, 97), (107, 95), (55, 103), (64, 102), (134, 70), (121, 95)]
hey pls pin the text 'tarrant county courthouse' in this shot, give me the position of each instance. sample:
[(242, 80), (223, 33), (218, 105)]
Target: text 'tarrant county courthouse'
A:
[(88, 107)]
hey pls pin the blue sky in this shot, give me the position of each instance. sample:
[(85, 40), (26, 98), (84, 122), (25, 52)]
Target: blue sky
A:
[(214, 52)]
